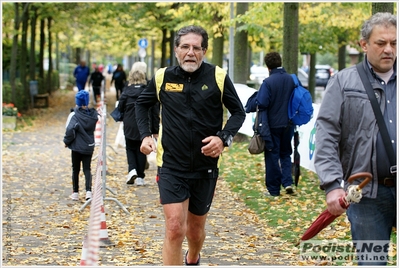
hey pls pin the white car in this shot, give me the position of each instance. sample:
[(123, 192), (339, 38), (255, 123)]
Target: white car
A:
[(303, 77), (258, 73)]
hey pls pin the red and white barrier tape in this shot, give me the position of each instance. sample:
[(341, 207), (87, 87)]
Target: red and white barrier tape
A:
[(92, 243)]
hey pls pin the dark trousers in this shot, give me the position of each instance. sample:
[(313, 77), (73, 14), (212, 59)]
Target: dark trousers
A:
[(80, 85), (85, 159), (135, 158), (96, 93), (278, 161), (119, 90)]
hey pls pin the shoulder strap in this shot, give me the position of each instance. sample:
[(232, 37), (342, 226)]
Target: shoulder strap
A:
[(256, 120), (378, 113), (295, 79)]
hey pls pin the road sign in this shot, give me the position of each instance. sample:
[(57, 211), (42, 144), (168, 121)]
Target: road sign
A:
[(142, 53), (143, 43)]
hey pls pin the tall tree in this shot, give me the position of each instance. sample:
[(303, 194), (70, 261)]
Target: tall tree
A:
[(50, 57), (382, 7), (14, 53), (24, 51), (241, 49), (290, 38), (41, 50), (32, 54)]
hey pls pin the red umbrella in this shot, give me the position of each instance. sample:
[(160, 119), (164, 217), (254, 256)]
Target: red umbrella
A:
[(353, 195)]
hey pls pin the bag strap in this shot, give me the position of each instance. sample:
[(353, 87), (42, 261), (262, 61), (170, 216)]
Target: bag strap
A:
[(295, 79), (256, 120), (378, 115)]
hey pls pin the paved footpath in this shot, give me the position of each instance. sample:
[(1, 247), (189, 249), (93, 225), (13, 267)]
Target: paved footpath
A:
[(43, 227)]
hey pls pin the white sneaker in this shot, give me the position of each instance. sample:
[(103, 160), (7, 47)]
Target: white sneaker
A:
[(88, 195), (74, 196), (131, 176), (139, 181)]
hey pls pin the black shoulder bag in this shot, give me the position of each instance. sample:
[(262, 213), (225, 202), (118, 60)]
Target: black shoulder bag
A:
[(378, 116)]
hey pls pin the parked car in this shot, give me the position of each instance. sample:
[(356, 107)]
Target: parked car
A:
[(303, 77), (258, 74), (323, 74)]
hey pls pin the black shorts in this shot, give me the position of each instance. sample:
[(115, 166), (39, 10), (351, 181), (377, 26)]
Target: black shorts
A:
[(176, 186)]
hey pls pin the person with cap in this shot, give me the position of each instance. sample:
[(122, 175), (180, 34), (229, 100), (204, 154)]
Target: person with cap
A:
[(79, 138)]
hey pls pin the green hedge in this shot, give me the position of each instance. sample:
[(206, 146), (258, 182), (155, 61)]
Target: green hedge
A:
[(23, 99)]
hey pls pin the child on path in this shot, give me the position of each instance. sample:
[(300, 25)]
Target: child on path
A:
[(79, 137)]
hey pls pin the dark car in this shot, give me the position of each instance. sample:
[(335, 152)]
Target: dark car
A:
[(323, 74)]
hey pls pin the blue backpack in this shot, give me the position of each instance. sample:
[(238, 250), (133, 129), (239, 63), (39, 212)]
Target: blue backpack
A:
[(300, 107)]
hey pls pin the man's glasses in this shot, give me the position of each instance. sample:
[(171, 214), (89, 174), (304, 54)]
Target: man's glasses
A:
[(186, 48)]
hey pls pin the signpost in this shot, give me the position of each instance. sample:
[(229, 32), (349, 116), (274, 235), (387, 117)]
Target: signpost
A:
[(143, 44)]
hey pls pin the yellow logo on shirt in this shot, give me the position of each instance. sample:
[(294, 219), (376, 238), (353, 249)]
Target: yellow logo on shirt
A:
[(173, 87)]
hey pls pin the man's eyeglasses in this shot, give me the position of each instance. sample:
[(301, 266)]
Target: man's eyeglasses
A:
[(186, 48)]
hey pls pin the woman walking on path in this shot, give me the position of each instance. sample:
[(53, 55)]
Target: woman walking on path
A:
[(79, 137), (127, 105), (119, 78)]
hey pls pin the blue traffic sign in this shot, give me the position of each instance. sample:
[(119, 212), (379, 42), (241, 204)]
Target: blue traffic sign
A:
[(143, 43)]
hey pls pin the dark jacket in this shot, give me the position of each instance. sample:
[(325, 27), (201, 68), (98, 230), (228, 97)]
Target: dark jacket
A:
[(96, 79), (127, 105), (272, 98), (192, 108), (274, 95), (119, 77), (79, 133)]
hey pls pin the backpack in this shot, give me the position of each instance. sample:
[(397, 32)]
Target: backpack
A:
[(300, 106)]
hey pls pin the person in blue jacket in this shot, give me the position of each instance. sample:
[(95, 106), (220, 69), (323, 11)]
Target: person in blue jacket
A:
[(272, 99), (79, 137), (81, 74)]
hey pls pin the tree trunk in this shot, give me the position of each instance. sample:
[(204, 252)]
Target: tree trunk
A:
[(217, 51), (78, 56), (24, 53), (41, 53), (14, 53), (218, 40), (50, 57), (290, 38), (163, 48), (57, 53), (241, 61), (341, 52), (32, 56), (312, 75), (382, 7), (171, 49)]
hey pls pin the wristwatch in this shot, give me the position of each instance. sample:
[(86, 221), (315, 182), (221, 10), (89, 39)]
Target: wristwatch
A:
[(226, 139)]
